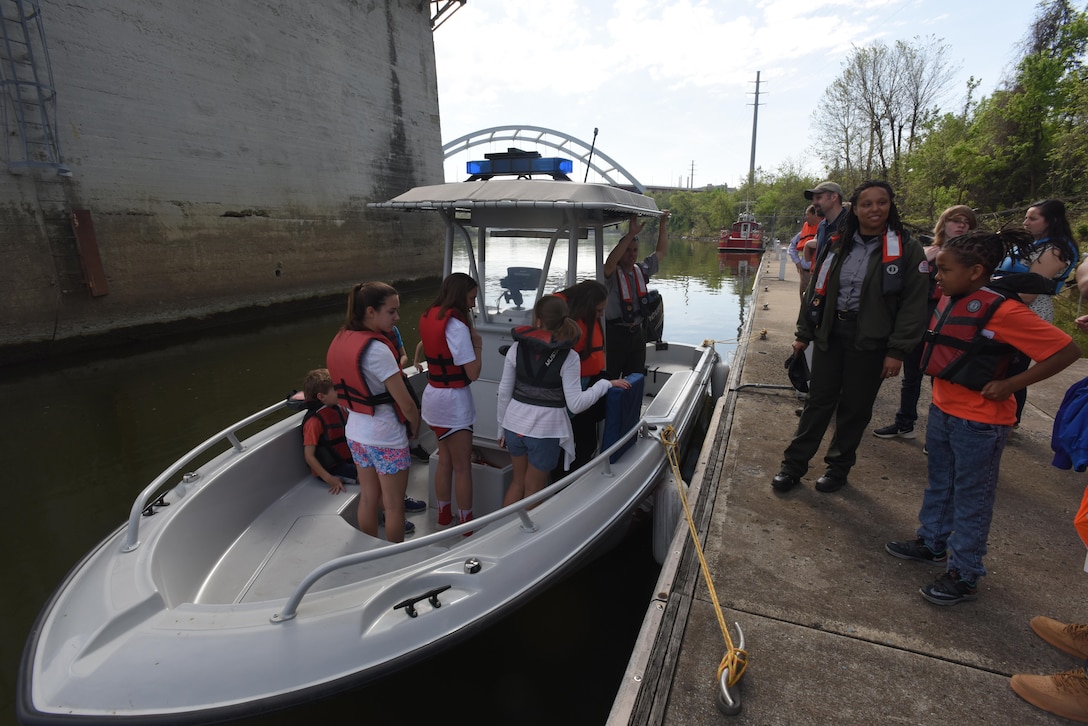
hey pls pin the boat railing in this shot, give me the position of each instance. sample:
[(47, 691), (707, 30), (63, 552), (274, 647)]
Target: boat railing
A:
[(230, 434), (601, 461)]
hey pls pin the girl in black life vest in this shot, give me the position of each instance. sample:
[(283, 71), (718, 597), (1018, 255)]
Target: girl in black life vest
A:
[(540, 381)]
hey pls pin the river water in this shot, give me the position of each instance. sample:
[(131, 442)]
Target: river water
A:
[(81, 438)]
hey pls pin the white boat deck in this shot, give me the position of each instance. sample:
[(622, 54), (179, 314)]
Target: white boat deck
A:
[(303, 529)]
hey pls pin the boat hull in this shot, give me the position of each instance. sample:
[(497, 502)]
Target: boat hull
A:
[(179, 631)]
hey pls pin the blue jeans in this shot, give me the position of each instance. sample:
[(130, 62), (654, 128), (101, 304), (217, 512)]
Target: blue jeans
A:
[(958, 505)]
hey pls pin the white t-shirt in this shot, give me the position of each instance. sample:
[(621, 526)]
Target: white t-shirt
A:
[(452, 408), (383, 428)]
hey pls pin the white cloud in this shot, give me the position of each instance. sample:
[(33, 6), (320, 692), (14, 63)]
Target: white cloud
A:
[(670, 84)]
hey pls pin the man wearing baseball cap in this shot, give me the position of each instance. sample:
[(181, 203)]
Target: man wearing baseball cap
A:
[(827, 198)]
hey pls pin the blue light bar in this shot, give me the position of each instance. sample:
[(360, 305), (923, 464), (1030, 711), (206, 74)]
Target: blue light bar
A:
[(509, 166)]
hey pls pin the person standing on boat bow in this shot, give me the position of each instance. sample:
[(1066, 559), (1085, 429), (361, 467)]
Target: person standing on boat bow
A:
[(865, 310), (626, 279)]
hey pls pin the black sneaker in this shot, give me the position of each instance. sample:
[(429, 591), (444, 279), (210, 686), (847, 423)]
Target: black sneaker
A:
[(414, 506), (949, 589), (420, 453), (916, 550), (895, 431)]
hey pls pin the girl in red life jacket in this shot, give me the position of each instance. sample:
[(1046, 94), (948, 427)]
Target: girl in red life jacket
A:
[(540, 381), (452, 348), (362, 362), (973, 409), (587, 301)]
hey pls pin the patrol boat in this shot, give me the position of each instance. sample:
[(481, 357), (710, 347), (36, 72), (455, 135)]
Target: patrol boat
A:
[(250, 589)]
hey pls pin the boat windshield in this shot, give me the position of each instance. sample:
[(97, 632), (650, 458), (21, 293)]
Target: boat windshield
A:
[(518, 266)]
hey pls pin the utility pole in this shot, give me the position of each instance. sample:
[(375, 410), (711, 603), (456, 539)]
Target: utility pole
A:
[(755, 123)]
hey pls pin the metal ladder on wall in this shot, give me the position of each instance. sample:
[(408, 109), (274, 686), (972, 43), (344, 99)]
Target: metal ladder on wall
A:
[(28, 98)]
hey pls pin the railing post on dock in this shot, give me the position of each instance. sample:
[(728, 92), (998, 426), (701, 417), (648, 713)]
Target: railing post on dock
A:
[(782, 257)]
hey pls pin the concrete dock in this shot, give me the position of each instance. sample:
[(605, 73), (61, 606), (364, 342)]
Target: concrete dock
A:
[(835, 628)]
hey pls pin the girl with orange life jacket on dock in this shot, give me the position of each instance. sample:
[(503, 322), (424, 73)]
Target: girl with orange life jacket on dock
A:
[(540, 381), (364, 366), (452, 348), (586, 302)]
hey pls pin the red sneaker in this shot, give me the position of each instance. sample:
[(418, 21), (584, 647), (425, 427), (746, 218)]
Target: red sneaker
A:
[(445, 516), (467, 519)]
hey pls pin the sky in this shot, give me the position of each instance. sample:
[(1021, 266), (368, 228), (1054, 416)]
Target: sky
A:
[(669, 84)]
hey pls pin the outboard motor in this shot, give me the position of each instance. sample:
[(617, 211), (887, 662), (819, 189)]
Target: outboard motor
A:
[(518, 279)]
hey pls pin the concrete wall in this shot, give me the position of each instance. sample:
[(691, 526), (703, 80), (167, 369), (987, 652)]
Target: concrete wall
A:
[(226, 152)]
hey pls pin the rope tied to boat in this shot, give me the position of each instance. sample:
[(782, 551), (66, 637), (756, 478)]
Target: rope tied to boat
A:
[(735, 660)]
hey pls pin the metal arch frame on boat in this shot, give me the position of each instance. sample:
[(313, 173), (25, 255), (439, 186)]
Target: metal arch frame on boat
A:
[(496, 133)]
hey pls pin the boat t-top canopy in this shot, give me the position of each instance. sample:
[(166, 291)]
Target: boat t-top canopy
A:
[(598, 201), (550, 209)]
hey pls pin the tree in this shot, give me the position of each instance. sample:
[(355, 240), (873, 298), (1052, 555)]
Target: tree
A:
[(1017, 131), (873, 114)]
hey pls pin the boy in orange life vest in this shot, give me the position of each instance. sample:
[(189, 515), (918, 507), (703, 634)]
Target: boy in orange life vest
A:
[(324, 443), (626, 279), (973, 336)]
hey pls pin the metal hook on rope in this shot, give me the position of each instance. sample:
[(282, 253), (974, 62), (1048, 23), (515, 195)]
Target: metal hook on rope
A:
[(729, 696)]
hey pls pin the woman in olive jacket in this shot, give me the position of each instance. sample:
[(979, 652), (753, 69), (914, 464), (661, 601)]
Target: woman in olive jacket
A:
[(865, 310)]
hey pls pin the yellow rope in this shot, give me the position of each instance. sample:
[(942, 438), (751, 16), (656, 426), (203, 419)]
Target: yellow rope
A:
[(735, 659)]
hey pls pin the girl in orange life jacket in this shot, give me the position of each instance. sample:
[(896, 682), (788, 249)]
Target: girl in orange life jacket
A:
[(540, 381), (363, 364), (586, 302), (452, 348), (973, 409)]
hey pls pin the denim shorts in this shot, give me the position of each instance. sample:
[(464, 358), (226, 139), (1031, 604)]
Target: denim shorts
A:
[(383, 459), (543, 453)]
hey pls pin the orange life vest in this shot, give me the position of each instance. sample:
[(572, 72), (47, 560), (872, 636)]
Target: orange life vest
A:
[(590, 345), (808, 231), (345, 363), (332, 445), (441, 371), (958, 348)]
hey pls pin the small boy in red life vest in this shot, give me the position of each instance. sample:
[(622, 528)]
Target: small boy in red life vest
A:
[(324, 445)]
